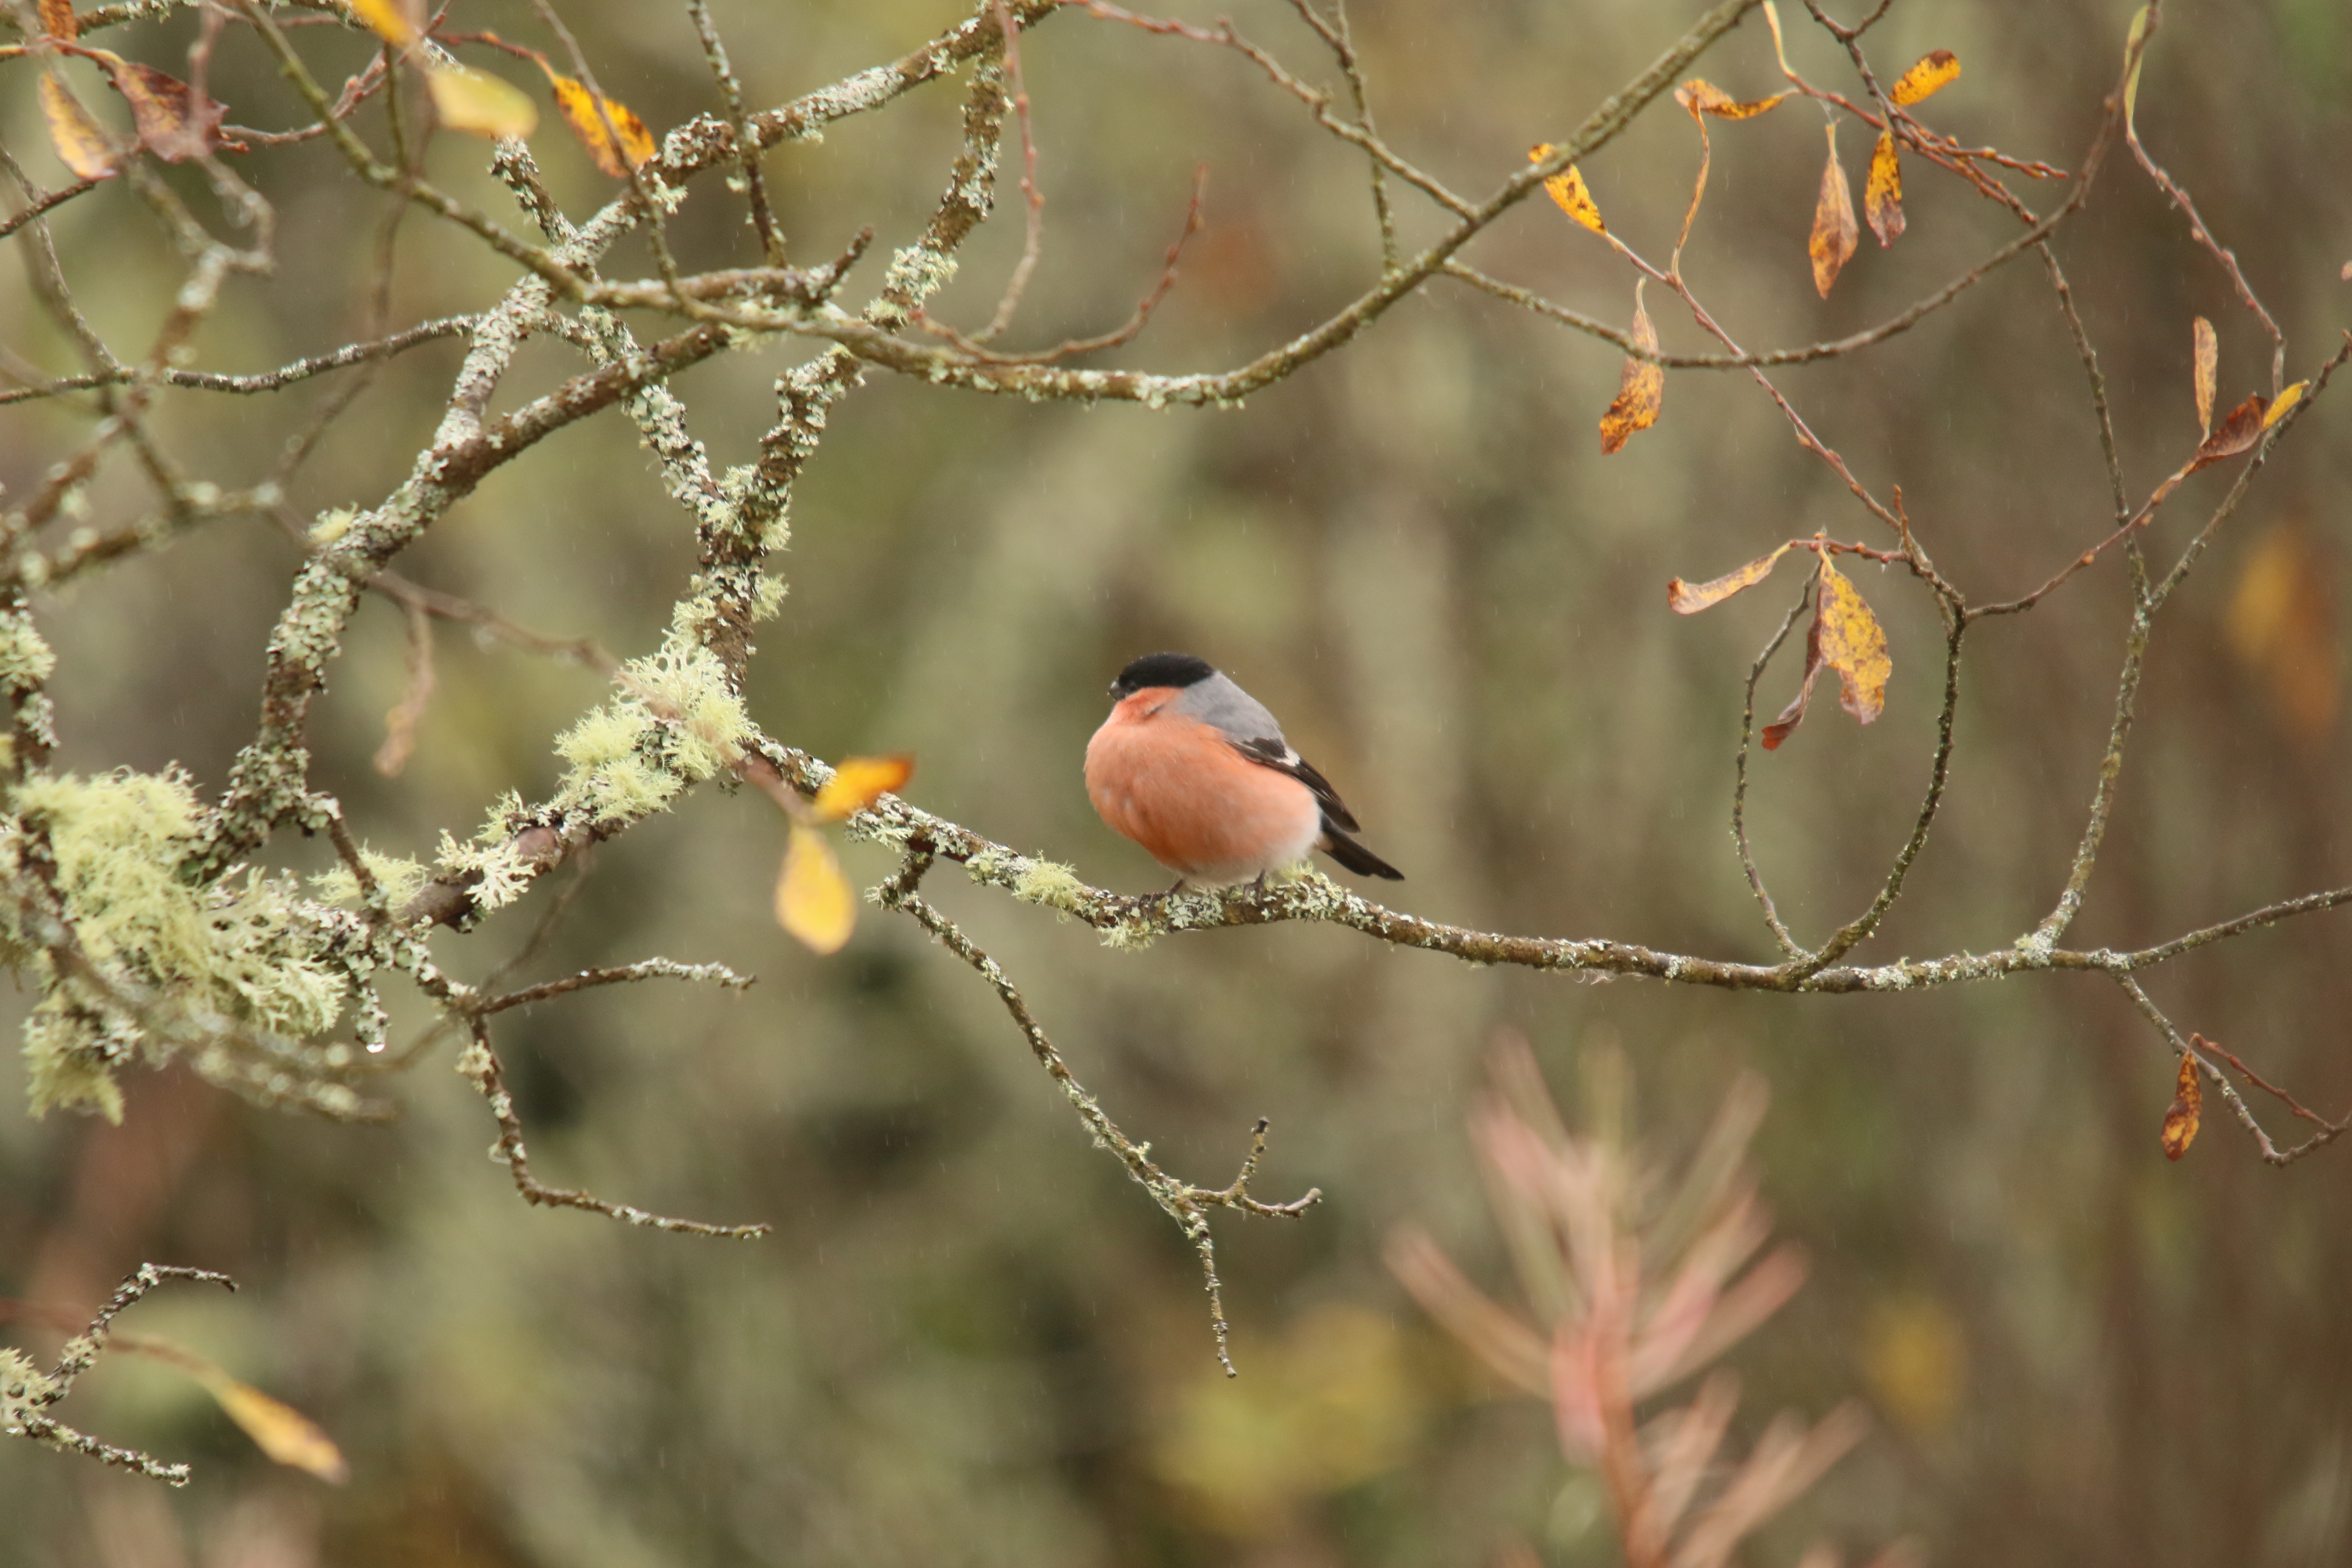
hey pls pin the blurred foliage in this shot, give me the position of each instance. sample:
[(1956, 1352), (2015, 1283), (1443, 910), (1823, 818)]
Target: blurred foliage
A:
[(971, 1340)]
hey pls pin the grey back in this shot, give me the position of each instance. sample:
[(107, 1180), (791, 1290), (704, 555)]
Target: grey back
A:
[(1218, 701)]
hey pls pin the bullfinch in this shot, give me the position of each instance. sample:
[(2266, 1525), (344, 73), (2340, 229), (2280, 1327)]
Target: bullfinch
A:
[(1195, 770)]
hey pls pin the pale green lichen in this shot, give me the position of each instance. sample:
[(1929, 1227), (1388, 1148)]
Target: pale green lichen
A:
[(498, 874), (396, 876), (768, 600), (1048, 882), (676, 724), (241, 947), (1129, 936), (22, 1390), (26, 660)]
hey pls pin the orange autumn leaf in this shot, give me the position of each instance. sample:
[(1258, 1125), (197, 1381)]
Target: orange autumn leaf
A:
[(2208, 353), (814, 900), (1567, 189), (393, 21), (1701, 96), (479, 104), (2188, 1105), (1853, 644), (277, 1428), (1641, 386), (57, 19), (858, 783), (1929, 76), (1689, 599), (1834, 235), (579, 107), (1881, 194), (82, 146)]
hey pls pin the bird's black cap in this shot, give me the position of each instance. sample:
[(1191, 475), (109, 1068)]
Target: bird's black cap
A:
[(1160, 669)]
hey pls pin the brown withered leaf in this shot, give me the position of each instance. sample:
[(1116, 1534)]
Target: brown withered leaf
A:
[(1933, 73), (579, 107), (1641, 386), (1701, 96), (479, 104), (2188, 1104), (1852, 643), (1567, 189), (858, 783), (2208, 354), (2242, 427), (1689, 598), (1881, 194), (82, 146), (171, 124), (814, 899), (57, 19), (1834, 235)]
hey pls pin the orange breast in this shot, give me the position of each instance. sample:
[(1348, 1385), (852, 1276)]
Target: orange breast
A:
[(1179, 789)]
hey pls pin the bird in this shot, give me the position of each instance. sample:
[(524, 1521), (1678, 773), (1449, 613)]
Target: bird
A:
[(1195, 770)]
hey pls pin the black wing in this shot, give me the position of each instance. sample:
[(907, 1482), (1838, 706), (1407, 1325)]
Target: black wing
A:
[(1278, 756)]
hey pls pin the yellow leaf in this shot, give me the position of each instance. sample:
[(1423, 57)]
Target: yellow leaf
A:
[(2188, 1104), (480, 105), (1933, 73), (81, 145), (2208, 349), (814, 900), (1850, 643), (1689, 599), (859, 781), (2134, 46), (1641, 386), (1834, 235), (393, 21), (578, 108), (57, 19), (2282, 627), (1567, 188), (278, 1429), (2285, 400), (1881, 194)]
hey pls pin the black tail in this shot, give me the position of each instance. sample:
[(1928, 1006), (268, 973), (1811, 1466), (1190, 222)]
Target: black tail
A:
[(1354, 856)]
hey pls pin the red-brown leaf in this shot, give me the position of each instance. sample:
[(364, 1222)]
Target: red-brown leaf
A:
[(2239, 432), (2188, 1104), (172, 125)]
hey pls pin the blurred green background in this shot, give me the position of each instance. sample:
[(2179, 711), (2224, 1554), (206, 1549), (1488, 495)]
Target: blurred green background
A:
[(971, 1340)]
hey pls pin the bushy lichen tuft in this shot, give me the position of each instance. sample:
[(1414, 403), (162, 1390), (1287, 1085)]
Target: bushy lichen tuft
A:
[(26, 660), (1050, 883), (23, 1388), (675, 724), (398, 876), (241, 947)]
